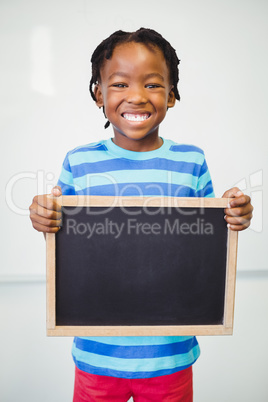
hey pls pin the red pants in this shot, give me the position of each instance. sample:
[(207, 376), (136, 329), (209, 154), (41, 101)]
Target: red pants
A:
[(175, 387)]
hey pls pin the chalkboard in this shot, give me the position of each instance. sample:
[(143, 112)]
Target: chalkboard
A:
[(141, 266)]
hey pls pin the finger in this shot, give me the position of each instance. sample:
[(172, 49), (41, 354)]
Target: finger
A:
[(44, 216), (238, 228), (232, 192), (46, 220), (45, 229), (36, 209), (239, 200), (56, 191), (46, 201), (238, 223), (241, 220), (239, 211)]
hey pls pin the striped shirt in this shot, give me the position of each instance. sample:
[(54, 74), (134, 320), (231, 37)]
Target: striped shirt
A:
[(103, 168)]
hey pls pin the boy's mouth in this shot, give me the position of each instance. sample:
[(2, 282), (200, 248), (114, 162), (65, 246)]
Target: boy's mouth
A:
[(136, 116)]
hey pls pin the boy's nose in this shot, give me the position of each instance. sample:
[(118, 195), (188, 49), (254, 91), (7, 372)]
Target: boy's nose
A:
[(136, 95)]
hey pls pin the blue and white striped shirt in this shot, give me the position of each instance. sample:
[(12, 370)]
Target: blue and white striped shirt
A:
[(103, 168)]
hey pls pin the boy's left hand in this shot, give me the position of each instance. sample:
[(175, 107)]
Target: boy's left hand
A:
[(239, 214)]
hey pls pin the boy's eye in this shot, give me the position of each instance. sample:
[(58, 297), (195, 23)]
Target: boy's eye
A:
[(119, 85), (153, 86)]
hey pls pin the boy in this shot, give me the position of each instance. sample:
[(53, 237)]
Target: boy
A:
[(134, 79)]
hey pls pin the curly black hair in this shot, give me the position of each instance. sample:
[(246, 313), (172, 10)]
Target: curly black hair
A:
[(142, 35)]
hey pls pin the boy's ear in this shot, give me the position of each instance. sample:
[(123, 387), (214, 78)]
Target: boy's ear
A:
[(171, 98), (98, 95)]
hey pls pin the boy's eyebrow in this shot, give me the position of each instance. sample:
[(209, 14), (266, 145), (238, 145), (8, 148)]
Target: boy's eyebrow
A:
[(118, 73), (126, 75), (154, 75)]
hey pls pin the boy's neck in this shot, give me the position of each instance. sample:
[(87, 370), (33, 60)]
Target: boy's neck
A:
[(144, 145)]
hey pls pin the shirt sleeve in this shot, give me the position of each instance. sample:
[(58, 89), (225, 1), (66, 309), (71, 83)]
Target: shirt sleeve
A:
[(204, 184), (66, 181)]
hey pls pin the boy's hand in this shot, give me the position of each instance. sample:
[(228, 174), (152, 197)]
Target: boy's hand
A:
[(45, 212), (239, 214)]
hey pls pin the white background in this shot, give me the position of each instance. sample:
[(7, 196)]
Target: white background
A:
[(46, 110)]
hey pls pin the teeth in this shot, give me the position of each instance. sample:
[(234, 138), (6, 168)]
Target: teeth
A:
[(135, 117)]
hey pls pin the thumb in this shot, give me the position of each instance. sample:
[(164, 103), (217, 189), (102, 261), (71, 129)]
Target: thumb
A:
[(56, 191), (233, 193)]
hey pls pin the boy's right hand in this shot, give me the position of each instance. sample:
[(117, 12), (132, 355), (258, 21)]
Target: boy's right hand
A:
[(45, 212)]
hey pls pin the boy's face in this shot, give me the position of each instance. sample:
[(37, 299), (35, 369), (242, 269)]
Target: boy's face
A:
[(135, 91)]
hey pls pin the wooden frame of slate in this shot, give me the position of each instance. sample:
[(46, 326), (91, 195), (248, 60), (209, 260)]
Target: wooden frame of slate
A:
[(141, 266)]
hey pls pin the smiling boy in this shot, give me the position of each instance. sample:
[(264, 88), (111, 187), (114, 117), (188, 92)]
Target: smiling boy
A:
[(135, 91), (134, 79)]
